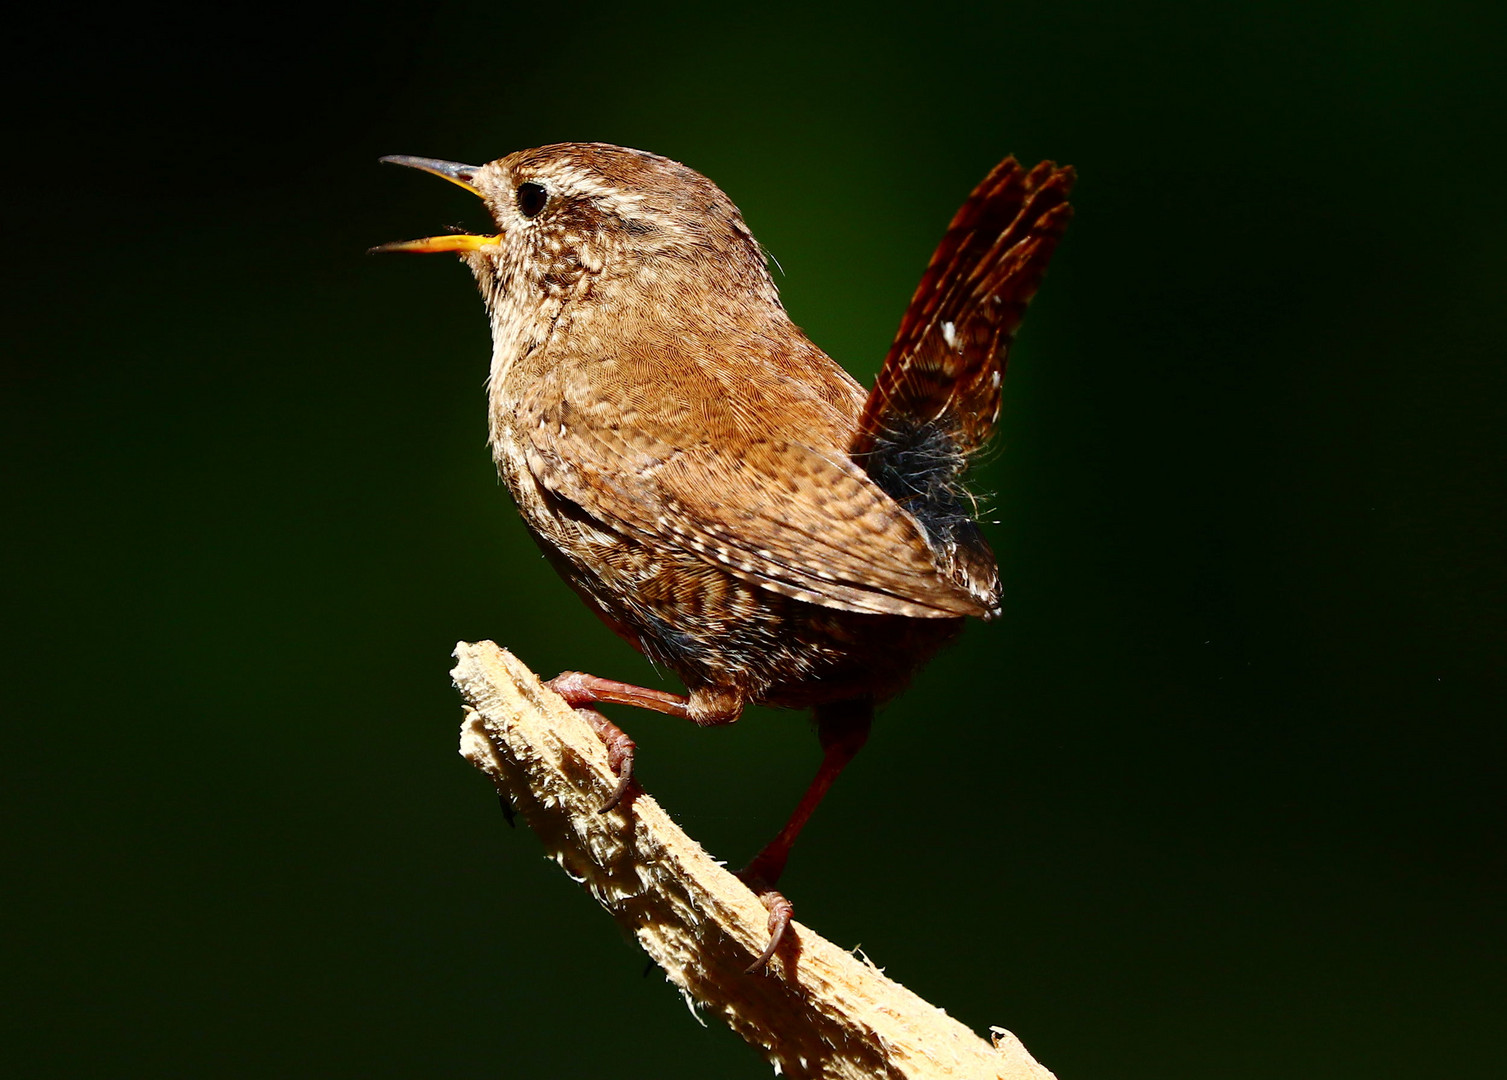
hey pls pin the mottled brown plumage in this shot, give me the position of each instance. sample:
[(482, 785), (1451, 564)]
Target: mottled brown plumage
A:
[(724, 495)]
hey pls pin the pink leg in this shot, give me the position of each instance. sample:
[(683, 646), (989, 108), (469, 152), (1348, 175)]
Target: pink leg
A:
[(579, 688), (843, 729), (582, 691)]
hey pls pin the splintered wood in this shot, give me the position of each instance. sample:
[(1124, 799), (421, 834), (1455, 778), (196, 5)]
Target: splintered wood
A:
[(817, 1011)]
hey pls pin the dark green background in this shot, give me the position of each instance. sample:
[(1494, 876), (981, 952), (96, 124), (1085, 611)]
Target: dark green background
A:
[(1220, 795)]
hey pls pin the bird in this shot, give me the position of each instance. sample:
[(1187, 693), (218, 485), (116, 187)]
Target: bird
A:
[(715, 487)]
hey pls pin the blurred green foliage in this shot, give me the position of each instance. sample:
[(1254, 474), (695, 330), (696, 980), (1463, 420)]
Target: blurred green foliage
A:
[(1220, 795)]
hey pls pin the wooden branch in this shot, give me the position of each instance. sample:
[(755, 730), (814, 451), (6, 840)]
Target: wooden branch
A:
[(817, 1011)]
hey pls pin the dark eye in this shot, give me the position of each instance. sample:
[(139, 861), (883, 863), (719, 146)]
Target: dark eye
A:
[(531, 199)]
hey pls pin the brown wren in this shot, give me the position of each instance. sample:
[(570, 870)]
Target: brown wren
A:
[(726, 497)]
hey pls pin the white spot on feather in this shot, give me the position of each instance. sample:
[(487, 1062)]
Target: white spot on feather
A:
[(950, 335)]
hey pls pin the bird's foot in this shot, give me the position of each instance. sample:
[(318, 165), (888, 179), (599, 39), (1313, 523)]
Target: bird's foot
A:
[(781, 911), (620, 747), (581, 691)]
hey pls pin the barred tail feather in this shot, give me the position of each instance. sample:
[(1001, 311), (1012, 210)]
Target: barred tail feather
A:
[(937, 397), (948, 358)]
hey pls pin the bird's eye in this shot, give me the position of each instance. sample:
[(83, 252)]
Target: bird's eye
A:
[(531, 199)]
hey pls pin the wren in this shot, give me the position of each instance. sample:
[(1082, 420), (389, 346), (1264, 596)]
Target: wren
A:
[(716, 488)]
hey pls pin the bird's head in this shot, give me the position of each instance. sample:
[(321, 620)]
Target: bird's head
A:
[(576, 219)]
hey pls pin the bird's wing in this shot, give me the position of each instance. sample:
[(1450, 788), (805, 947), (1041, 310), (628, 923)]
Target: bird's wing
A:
[(787, 516)]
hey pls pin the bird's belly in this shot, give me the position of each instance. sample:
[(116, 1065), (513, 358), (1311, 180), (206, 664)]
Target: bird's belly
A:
[(715, 630)]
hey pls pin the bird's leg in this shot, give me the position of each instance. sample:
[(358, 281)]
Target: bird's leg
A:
[(707, 706), (843, 728), (581, 691)]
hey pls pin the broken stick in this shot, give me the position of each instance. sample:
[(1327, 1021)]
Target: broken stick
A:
[(816, 1012)]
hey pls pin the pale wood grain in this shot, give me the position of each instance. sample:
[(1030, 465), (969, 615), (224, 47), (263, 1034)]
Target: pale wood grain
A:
[(818, 1011)]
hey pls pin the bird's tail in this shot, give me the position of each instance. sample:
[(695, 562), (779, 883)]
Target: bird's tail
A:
[(941, 380), (937, 398)]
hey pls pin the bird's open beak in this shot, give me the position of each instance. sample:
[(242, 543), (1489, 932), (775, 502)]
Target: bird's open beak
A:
[(456, 173)]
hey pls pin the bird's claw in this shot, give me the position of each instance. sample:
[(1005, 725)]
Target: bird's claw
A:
[(781, 911)]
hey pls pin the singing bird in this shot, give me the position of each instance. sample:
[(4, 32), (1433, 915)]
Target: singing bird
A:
[(715, 487)]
